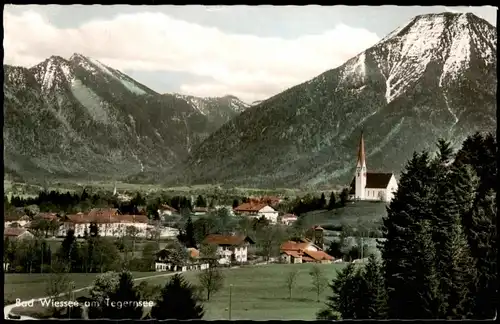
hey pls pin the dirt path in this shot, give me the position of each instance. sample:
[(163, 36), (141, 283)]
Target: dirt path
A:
[(7, 309)]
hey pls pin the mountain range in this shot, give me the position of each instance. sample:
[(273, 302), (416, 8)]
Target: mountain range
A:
[(79, 118), (433, 77)]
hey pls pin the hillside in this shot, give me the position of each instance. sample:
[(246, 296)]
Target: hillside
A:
[(433, 77), (81, 119)]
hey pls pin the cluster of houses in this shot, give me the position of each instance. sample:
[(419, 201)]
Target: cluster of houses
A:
[(233, 249), (109, 221)]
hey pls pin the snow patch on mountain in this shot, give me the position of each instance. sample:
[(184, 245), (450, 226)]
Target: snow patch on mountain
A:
[(130, 85), (91, 101), (459, 56), (46, 75), (101, 66)]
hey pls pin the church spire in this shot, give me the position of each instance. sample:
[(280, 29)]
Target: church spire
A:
[(361, 152)]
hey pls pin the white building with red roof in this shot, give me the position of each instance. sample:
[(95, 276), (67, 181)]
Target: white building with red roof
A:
[(257, 210), (230, 248), (303, 251), (109, 222), (288, 219)]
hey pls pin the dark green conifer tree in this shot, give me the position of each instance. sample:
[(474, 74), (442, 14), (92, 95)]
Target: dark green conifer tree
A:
[(177, 301)]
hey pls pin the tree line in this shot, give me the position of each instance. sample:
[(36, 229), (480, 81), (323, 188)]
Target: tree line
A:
[(71, 203), (439, 253), (93, 254)]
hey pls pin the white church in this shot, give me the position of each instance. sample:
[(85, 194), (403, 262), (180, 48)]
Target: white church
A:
[(370, 185)]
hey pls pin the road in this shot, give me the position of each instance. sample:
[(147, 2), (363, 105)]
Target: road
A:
[(7, 309)]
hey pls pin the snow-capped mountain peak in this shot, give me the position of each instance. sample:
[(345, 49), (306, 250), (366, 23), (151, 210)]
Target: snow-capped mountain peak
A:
[(450, 41), (51, 73)]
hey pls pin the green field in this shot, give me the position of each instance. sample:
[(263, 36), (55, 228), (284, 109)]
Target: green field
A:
[(260, 293), (353, 213), (27, 286)]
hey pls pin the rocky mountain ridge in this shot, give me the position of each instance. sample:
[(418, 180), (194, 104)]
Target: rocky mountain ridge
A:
[(433, 77), (80, 118)]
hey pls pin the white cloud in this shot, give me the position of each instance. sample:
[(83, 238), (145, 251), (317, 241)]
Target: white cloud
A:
[(247, 66)]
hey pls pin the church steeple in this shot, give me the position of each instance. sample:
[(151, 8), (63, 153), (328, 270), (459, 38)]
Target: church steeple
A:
[(360, 177), (361, 152)]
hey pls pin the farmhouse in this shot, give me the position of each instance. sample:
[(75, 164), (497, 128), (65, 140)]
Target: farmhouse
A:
[(288, 219), (230, 248), (200, 211), (303, 251), (370, 185), (257, 210), (166, 232), (17, 233), (167, 260), (166, 210), (17, 221)]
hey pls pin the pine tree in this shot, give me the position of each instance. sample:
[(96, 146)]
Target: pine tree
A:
[(483, 242), (200, 201), (322, 201), (190, 235), (458, 274), (422, 282), (479, 224), (344, 196), (125, 297), (375, 298), (454, 263), (405, 243), (342, 300), (332, 202), (177, 301)]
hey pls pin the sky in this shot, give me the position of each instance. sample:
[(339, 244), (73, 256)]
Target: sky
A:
[(252, 52)]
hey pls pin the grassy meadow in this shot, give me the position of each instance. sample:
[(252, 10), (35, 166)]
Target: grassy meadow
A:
[(260, 293), (28, 286), (257, 292), (353, 214)]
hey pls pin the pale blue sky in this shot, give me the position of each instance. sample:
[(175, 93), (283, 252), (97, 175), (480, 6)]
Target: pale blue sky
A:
[(249, 51)]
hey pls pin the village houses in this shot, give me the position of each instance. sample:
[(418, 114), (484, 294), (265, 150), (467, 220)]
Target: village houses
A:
[(302, 251), (257, 210)]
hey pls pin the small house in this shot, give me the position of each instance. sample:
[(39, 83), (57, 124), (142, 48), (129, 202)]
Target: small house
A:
[(17, 233), (200, 211), (257, 210), (166, 210), (230, 248), (306, 250), (288, 219)]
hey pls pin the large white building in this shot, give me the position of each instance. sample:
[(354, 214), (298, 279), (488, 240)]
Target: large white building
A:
[(371, 185), (109, 222)]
